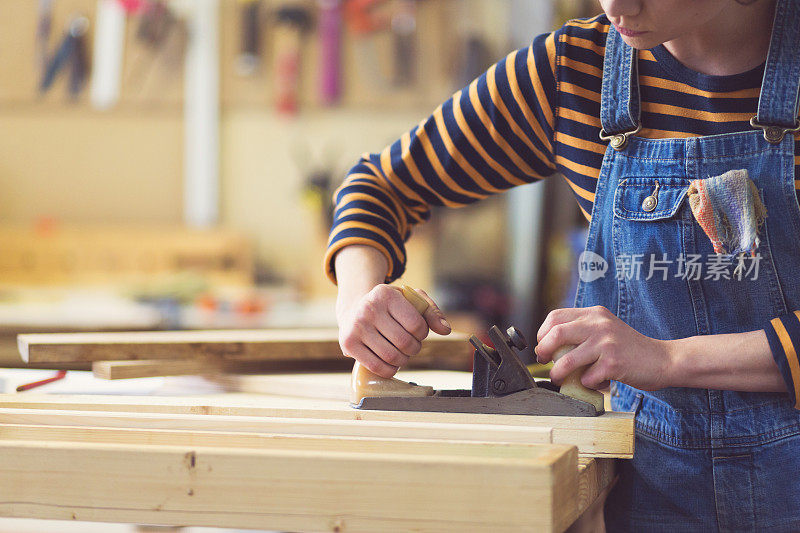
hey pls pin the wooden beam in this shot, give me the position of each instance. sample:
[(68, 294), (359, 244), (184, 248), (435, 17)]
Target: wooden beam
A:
[(144, 368), (609, 435), (259, 441), (290, 490), (236, 345), (281, 426), (594, 475)]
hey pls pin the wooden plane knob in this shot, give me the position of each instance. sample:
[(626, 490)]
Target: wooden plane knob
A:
[(573, 387), (364, 383)]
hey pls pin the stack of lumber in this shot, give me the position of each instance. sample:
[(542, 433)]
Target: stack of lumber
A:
[(288, 464), (169, 353)]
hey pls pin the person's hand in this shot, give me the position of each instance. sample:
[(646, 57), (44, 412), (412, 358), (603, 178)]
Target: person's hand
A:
[(382, 329), (608, 347)]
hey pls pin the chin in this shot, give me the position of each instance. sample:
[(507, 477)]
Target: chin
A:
[(642, 42)]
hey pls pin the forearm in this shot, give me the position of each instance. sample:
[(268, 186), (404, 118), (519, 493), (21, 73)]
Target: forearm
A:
[(358, 269), (737, 361)]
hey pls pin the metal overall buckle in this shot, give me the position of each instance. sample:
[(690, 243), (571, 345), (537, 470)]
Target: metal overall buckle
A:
[(619, 141), (774, 134)]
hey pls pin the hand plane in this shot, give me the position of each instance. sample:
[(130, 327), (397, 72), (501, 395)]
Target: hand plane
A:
[(501, 384)]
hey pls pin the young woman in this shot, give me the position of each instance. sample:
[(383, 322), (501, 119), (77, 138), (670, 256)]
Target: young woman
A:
[(675, 123)]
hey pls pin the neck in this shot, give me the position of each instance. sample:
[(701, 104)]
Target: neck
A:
[(716, 48)]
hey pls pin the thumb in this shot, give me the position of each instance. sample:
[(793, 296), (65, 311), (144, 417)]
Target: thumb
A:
[(434, 316)]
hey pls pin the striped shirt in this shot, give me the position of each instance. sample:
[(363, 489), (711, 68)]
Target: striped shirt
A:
[(533, 114)]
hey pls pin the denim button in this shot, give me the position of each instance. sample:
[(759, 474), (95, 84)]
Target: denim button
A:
[(649, 203)]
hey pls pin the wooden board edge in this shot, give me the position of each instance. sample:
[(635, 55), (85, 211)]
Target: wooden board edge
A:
[(238, 488)]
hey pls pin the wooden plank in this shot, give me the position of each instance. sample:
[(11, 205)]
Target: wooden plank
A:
[(609, 435), (259, 441), (328, 385), (291, 490), (281, 426), (145, 368), (237, 345)]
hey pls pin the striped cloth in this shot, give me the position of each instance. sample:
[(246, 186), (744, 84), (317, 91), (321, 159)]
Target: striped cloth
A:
[(729, 209), (533, 114)]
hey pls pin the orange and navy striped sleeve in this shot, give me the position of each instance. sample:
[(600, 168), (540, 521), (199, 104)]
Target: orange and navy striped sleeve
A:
[(488, 137), (783, 334)]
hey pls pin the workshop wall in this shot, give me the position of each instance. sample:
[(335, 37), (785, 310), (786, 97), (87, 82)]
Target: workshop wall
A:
[(61, 158)]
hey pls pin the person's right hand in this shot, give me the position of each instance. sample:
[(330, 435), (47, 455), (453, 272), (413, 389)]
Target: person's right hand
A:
[(382, 329)]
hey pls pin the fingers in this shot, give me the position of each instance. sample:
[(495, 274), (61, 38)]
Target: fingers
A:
[(368, 359), (574, 332), (385, 329), (403, 313), (556, 317), (434, 316), (580, 356), (569, 326), (384, 349)]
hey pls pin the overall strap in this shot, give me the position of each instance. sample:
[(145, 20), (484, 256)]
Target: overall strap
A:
[(619, 101), (778, 103)]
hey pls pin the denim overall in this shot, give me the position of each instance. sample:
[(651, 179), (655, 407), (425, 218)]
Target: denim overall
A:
[(705, 460)]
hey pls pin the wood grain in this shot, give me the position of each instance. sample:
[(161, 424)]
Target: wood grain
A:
[(281, 426), (235, 345), (151, 368), (290, 490), (329, 385), (594, 475), (608, 435), (259, 441)]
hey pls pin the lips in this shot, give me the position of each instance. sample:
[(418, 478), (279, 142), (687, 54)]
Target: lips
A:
[(628, 33)]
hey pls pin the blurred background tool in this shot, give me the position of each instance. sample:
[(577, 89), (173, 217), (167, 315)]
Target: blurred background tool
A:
[(251, 28), (330, 40), (292, 24), (162, 35), (320, 175), (109, 52), (404, 30), (43, 26), (365, 19), (71, 53), (477, 57)]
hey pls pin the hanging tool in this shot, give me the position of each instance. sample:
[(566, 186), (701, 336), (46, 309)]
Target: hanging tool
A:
[(292, 23), (71, 54), (155, 23), (501, 384), (250, 24), (319, 174), (404, 30), (330, 37), (43, 27), (364, 20), (476, 59), (163, 36)]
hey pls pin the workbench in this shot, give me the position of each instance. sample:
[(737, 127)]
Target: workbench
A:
[(285, 462)]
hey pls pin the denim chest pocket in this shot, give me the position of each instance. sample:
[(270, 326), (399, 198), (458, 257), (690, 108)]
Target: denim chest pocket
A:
[(651, 228), (649, 198)]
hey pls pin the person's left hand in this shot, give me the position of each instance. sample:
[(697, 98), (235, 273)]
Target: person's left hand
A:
[(608, 347)]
